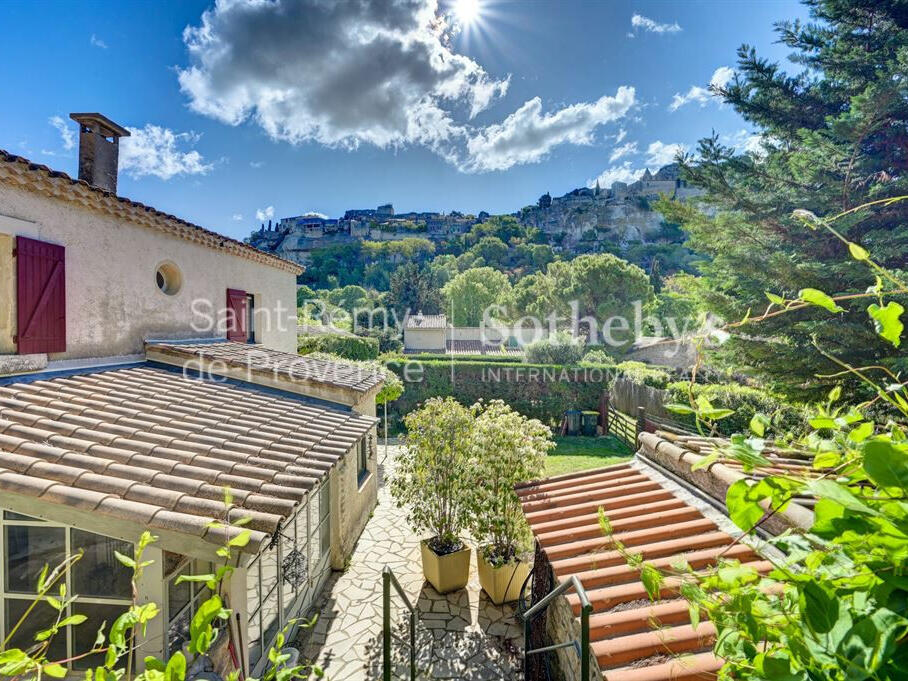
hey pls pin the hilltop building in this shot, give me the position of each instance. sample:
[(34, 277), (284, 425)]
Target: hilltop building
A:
[(146, 364), (619, 214)]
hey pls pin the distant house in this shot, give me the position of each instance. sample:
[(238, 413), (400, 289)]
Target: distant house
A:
[(146, 365), (432, 333)]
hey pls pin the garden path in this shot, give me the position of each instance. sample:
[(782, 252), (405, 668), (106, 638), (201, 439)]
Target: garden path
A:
[(459, 636)]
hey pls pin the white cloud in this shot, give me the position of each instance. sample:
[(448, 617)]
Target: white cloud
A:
[(155, 150), (619, 173), (747, 142), (263, 214), (620, 136), (660, 154), (381, 73), (67, 132), (97, 42), (315, 214), (528, 134), (237, 217), (647, 24), (702, 95), (722, 76), (622, 151), (256, 164)]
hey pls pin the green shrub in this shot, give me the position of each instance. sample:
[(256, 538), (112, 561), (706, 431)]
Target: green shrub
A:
[(644, 374), (745, 401), (539, 391), (349, 347), (559, 348), (439, 356), (599, 357)]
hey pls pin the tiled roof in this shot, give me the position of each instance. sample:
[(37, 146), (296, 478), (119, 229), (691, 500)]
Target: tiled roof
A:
[(477, 347), (427, 321), (258, 358), (146, 446), (21, 172), (650, 519)]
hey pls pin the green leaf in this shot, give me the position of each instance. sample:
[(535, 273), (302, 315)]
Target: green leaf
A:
[(54, 603), (827, 489), (652, 581), (887, 321), (820, 609), (886, 464), (818, 298), (862, 432), (176, 668), (680, 408), (858, 252), (72, 621), (758, 424), (241, 539), (743, 510), (773, 298), (54, 670), (125, 560)]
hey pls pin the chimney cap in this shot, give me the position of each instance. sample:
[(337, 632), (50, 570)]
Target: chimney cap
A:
[(106, 126)]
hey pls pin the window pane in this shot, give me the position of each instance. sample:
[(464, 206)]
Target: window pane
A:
[(290, 574), (178, 596), (269, 571), (270, 617), (99, 573), (178, 631), (324, 511), (253, 597), (255, 638), (28, 550), (84, 635), (10, 515), (42, 617)]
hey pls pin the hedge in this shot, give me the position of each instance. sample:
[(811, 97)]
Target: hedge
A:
[(350, 347), (541, 391), (746, 401), (442, 357), (645, 374)]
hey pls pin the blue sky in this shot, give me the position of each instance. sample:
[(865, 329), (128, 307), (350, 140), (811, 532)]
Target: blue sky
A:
[(299, 108)]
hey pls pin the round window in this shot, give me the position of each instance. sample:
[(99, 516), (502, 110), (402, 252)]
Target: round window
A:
[(168, 278)]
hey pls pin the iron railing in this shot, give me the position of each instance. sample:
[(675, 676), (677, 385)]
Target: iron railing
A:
[(388, 579), (582, 646)]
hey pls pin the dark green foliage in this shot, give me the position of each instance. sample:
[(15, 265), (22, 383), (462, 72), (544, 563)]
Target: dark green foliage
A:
[(543, 392), (835, 138), (644, 374), (389, 339), (414, 288), (784, 418), (350, 347)]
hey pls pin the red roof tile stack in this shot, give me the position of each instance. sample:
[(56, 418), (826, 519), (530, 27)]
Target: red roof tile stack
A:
[(633, 638)]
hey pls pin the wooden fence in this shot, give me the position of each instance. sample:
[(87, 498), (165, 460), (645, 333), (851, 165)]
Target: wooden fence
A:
[(626, 427)]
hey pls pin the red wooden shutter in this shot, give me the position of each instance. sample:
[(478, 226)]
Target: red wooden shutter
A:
[(40, 296), (236, 315)]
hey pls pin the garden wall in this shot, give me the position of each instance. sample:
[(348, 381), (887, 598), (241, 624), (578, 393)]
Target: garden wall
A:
[(538, 391)]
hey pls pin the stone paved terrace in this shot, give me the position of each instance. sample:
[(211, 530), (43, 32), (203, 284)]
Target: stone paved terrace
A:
[(459, 636)]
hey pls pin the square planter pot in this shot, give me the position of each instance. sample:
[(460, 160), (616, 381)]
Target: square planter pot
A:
[(446, 573), (502, 584)]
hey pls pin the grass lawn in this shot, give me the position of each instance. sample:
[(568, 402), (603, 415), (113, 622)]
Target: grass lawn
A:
[(574, 453)]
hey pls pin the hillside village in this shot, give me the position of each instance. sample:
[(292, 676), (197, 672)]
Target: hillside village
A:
[(616, 216)]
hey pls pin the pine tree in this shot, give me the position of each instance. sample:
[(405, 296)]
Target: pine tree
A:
[(832, 137)]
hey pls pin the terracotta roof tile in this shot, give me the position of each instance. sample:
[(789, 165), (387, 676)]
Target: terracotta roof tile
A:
[(631, 636), (166, 474), (258, 359)]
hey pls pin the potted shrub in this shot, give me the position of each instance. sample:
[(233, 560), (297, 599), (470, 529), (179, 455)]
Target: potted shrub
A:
[(507, 448), (432, 482)]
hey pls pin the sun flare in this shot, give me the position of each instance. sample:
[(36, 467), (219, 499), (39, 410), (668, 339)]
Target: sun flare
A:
[(467, 12)]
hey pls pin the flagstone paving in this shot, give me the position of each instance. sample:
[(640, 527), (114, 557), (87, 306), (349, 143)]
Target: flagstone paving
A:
[(459, 636)]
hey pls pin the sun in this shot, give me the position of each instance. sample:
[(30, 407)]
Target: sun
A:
[(467, 12)]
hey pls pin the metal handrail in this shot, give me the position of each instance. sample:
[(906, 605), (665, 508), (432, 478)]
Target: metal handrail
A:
[(585, 609), (388, 579)]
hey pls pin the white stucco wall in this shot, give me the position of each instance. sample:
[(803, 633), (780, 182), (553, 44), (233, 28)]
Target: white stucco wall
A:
[(112, 301), (424, 339)]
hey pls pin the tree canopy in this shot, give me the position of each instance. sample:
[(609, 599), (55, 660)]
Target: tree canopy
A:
[(832, 137)]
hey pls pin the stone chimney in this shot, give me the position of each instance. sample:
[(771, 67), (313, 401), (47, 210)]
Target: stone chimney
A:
[(99, 149)]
